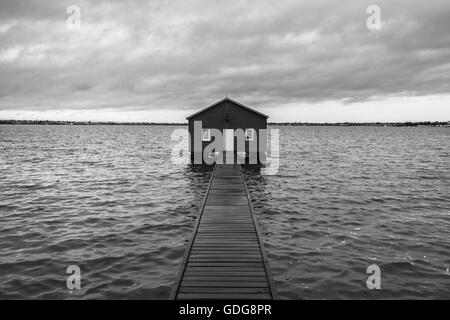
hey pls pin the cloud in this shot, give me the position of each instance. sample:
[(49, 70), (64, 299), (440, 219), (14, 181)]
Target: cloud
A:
[(157, 55)]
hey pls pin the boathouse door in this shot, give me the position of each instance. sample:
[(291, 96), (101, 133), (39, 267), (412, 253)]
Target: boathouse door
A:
[(229, 139), (229, 145)]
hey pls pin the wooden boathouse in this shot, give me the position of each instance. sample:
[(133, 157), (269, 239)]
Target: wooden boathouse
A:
[(225, 258), (233, 120)]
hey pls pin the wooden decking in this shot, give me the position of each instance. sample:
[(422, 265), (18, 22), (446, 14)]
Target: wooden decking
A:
[(225, 258)]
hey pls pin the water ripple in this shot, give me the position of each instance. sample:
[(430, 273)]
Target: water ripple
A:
[(346, 198)]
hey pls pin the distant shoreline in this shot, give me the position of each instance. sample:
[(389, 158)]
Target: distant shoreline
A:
[(296, 124)]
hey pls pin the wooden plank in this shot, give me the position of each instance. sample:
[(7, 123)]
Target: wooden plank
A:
[(224, 264), (225, 259), (224, 272), (231, 245), (223, 256), (218, 296), (225, 242), (223, 284), (220, 269), (223, 290), (226, 278), (221, 246), (213, 257), (209, 225), (237, 273), (225, 250), (227, 228), (227, 237)]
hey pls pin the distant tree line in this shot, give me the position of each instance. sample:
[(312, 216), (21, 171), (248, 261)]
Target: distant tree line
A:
[(372, 124), (349, 124), (78, 123)]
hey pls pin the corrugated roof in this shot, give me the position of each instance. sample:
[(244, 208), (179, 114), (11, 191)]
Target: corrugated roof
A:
[(227, 99)]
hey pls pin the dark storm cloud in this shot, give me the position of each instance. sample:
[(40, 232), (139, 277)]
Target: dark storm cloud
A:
[(156, 54)]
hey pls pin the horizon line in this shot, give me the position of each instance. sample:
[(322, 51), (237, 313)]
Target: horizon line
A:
[(70, 122)]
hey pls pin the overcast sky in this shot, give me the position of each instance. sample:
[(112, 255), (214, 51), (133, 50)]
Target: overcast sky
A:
[(143, 60)]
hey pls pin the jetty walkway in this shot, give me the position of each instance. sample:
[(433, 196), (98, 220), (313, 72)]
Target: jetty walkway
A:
[(225, 258)]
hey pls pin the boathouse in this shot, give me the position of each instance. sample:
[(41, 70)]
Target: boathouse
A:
[(242, 131)]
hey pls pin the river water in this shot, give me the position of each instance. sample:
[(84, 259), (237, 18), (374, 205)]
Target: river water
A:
[(109, 200)]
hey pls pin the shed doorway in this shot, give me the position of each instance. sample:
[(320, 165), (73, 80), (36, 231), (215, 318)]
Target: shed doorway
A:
[(228, 147), (229, 140)]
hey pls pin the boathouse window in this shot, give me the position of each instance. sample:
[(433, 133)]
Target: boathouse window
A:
[(249, 134), (206, 135)]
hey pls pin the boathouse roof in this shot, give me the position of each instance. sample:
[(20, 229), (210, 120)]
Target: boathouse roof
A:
[(230, 100)]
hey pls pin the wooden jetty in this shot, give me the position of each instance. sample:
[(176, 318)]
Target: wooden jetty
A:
[(225, 258)]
